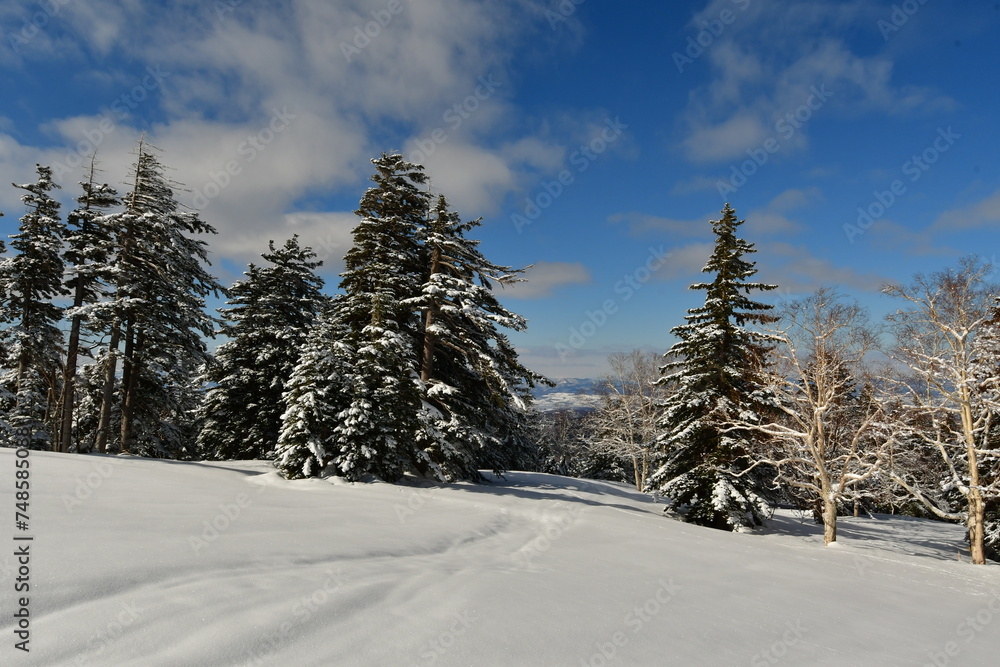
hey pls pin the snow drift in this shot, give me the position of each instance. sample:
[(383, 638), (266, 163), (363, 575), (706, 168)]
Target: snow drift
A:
[(152, 562)]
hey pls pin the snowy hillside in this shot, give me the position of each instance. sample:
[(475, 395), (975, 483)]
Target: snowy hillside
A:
[(141, 562)]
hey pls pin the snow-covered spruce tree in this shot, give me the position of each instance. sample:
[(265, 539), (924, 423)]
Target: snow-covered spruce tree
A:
[(32, 342), (701, 469), (90, 246), (268, 316), (476, 392), (375, 432), (156, 320), (315, 395)]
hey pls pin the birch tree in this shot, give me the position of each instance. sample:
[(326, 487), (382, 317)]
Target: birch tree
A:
[(626, 424), (950, 383), (820, 441)]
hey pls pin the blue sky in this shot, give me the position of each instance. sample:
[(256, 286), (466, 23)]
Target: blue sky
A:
[(596, 139)]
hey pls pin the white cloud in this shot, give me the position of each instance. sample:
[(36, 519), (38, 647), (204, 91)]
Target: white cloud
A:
[(769, 62), (980, 214), (770, 219), (230, 68), (544, 278)]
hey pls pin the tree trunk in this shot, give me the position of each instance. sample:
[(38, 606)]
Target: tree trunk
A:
[(975, 495), (829, 521), (977, 526), (108, 391), (69, 378), (430, 338), (829, 511), (130, 383)]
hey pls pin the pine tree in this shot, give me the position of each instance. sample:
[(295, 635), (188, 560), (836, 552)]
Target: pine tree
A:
[(269, 315), (315, 396), (29, 282), (702, 467), (90, 246), (383, 269), (156, 320), (476, 392), (408, 372)]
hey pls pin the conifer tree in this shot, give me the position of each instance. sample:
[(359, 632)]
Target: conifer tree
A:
[(269, 315), (156, 320), (383, 269), (315, 396), (702, 468), (90, 246), (476, 392), (29, 282), (409, 371)]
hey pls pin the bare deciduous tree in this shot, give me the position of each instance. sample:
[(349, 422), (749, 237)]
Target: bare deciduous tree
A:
[(950, 387), (626, 423), (820, 439)]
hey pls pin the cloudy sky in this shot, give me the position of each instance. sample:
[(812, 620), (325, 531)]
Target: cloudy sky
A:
[(859, 139)]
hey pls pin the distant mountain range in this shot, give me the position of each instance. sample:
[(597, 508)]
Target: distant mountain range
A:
[(568, 394)]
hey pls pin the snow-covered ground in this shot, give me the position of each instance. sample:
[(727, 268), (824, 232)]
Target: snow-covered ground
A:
[(141, 562)]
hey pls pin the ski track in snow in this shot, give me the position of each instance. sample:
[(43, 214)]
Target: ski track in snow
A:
[(532, 570)]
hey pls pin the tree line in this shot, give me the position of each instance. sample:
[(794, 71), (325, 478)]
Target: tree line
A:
[(407, 369), (810, 403)]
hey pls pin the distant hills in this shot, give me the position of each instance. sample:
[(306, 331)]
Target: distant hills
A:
[(568, 394)]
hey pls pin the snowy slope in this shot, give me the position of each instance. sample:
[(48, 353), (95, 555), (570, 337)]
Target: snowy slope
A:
[(127, 569)]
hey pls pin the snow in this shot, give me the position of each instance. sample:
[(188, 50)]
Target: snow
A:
[(153, 562)]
